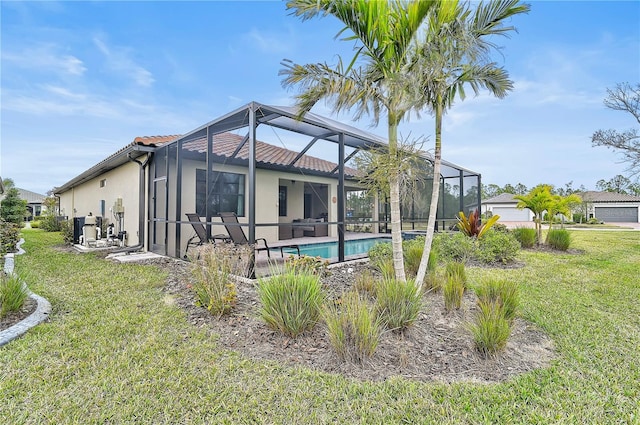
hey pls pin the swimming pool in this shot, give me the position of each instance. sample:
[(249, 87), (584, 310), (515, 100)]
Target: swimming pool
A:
[(330, 249)]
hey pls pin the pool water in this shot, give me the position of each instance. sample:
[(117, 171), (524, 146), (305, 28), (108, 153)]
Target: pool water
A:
[(330, 249)]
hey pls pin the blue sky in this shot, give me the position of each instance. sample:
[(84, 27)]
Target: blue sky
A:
[(80, 80)]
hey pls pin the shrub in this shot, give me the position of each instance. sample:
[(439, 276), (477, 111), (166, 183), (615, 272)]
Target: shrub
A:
[(455, 269), (35, 224), (212, 282), (453, 290), (307, 265), (13, 293), (502, 292), (472, 225), (497, 247), (412, 256), (398, 303), (9, 236), (50, 223), (525, 235), (453, 246), (380, 252), (499, 227), (290, 302), (353, 327), (432, 281), (66, 228), (491, 329), (559, 239)]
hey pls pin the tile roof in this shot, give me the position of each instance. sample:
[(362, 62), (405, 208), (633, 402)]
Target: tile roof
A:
[(154, 140), (503, 198), (593, 196), (225, 144)]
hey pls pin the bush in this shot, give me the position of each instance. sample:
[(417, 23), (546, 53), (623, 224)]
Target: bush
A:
[(380, 252), (13, 294), (291, 302), (398, 303), (497, 247), (502, 292), (559, 239), (453, 290), (307, 265), (353, 327), (9, 236), (412, 256), (49, 223), (212, 282), (365, 282), (491, 329), (525, 235), (454, 246), (35, 224), (455, 269), (66, 228)]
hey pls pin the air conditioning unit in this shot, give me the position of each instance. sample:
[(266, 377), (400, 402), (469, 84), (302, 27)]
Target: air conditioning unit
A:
[(118, 208)]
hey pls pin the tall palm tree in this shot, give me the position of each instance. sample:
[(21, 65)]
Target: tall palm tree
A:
[(453, 54), (377, 80)]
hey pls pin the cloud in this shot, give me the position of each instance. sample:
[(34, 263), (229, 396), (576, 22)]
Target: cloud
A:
[(45, 57), (268, 42), (119, 60)]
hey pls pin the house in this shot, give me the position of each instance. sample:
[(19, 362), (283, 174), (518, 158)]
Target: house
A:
[(34, 201), (612, 207), (243, 162), (504, 205)]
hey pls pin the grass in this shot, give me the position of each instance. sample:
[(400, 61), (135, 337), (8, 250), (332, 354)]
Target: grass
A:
[(13, 294), (118, 350)]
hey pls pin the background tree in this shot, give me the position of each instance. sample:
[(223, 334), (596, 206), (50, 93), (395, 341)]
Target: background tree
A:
[(618, 184), (454, 54), (625, 98), (12, 208)]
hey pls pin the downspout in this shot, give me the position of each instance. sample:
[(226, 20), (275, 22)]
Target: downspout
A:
[(142, 204)]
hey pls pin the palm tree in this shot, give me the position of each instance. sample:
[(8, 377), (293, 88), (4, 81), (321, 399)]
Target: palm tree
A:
[(377, 80), (454, 54), (538, 200)]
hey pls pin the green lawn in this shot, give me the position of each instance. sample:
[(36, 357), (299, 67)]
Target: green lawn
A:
[(116, 351)]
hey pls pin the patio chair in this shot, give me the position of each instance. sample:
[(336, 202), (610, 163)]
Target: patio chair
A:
[(201, 233), (237, 236)]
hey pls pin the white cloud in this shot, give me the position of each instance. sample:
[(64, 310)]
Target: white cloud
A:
[(270, 42), (119, 60), (45, 57)]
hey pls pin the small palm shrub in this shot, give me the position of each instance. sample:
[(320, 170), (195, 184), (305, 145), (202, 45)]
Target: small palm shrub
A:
[(353, 327), (497, 247), (211, 277), (291, 302), (13, 293), (491, 328), (453, 290), (398, 303), (559, 239), (503, 292), (525, 235), (455, 269)]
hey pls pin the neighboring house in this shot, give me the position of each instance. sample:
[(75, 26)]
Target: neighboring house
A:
[(148, 187), (612, 207), (504, 205), (34, 201)]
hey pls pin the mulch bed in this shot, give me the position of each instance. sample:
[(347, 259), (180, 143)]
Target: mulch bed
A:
[(14, 317)]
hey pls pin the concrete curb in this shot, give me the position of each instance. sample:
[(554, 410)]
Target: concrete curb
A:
[(40, 314)]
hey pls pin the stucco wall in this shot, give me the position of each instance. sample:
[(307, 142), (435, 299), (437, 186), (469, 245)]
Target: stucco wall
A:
[(122, 182)]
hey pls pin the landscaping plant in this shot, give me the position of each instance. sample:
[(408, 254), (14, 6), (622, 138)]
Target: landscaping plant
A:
[(9, 236), (526, 236), (212, 269), (365, 282), (291, 302), (500, 291), (559, 239), (491, 328), (472, 226), (353, 327), (497, 247), (455, 269), (398, 303), (453, 290), (307, 264), (13, 293)]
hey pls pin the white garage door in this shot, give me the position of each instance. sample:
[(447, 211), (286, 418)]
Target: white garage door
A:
[(617, 214), (511, 214)]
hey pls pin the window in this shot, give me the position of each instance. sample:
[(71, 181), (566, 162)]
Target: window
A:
[(282, 201), (103, 182), (226, 193)]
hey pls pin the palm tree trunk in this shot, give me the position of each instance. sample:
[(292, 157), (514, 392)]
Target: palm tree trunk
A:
[(435, 194), (394, 194)]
